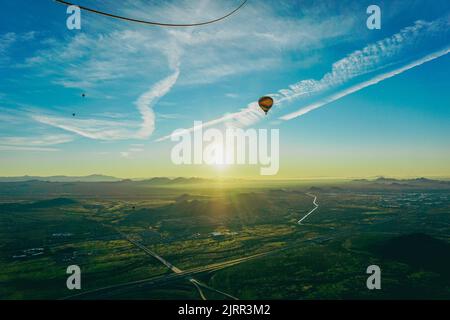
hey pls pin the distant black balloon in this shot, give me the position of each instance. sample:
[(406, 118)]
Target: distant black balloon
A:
[(83, 95)]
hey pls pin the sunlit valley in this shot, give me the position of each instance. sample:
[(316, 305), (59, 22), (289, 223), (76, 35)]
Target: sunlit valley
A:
[(237, 238)]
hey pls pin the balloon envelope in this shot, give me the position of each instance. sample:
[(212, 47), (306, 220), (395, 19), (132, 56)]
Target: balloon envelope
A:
[(265, 103)]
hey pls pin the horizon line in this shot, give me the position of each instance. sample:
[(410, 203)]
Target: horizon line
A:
[(399, 177)]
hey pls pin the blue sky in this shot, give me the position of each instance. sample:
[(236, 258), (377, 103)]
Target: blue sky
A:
[(382, 95)]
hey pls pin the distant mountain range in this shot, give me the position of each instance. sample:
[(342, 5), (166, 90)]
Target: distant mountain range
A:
[(162, 180), (193, 180), (103, 178), (391, 182), (90, 178), (32, 187)]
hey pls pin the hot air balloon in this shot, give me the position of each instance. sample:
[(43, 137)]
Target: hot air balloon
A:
[(265, 103), (83, 95)]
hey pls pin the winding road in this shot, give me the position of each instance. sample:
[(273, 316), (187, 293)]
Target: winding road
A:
[(314, 209)]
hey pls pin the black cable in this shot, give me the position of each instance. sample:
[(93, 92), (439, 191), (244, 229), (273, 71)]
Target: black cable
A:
[(151, 22)]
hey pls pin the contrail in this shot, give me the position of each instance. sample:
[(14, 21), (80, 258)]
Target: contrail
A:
[(149, 98), (253, 109), (251, 112), (365, 84), (370, 59)]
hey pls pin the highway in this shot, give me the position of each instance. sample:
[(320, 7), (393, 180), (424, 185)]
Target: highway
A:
[(150, 252), (163, 279), (194, 282), (178, 273), (174, 269), (199, 284)]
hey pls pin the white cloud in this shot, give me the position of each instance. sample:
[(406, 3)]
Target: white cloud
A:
[(116, 129), (128, 154), (6, 41), (89, 128), (204, 54), (125, 154), (115, 54), (9, 39), (18, 148), (33, 143), (45, 140)]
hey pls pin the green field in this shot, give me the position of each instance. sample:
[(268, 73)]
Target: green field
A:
[(238, 238)]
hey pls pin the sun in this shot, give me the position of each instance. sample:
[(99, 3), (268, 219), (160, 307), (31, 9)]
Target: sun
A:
[(215, 155)]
